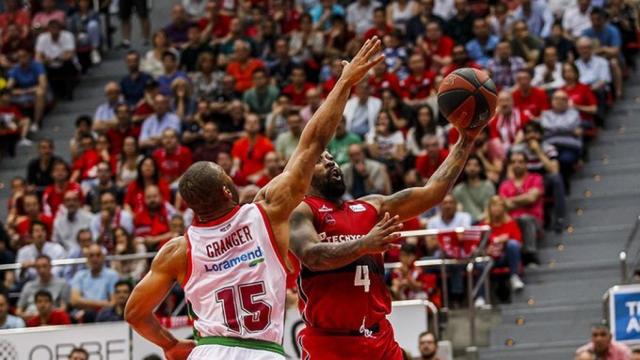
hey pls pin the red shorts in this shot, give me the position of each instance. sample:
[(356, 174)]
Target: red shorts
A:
[(316, 344)]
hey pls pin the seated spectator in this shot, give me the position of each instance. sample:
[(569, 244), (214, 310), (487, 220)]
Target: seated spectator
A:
[(562, 129), (430, 157), (436, 47), (395, 53), (85, 25), (297, 88), (146, 106), (483, 44), (314, 100), (428, 346), (603, 346), (148, 174), (92, 288), (105, 115), (339, 146), (14, 126), (211, 145), (276, 121), (474, 191), (523, 195), (83, 126), (40, 168), (272, 168), (172, 158), (379, 26), (193, 48), (21, 225), (151, 222), (132, 270), (124, 127), (381, 79), (206, 80), (622, 15), (56, 49), (110, 217), (84, 240), (305, 43), (581, 97), (15, 203), (504, 240), (425, 124), (364, 176), (282, 64), (542, 158), (54, 194), (15, 14), (183, 103), (103, 183), (525, 45), (409, 282), (577, 18), (47, 314), (501, 22), (57, 288), (594, 70), (70, 219), (548, 74), (460, 26), (323, 12), (49, 12), (287, 142), (40, 246), (154, 125), (249, 151), (449, 217), (84, 167), (123, 289), (565, 46), (360, 15), (417, 87), (459, 59), (128, 160), (8, 321), (262, 95), (608, 44), (385, 143), (152, 61), (361, 111), (242, 66), (179, 26), (28, 84), (506, 126), (537, 15), (134, 82), (528, 99), (170, 73), (503, 67)]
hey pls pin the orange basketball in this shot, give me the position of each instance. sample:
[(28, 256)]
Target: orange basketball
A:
[(467, 98)]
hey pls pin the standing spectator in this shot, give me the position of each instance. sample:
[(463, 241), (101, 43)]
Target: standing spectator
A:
[(172, 158), (85, 25), (523, 194), (148, 174), (364, 176), (57, 287), (430, 157), (151, 222), (249, 151), (242, 66), (56, 49), (474, 191), (287, 142), (211, 145), (577, 18), (154, 125), (503, 67), (548, 74), (8, 321), (361, 111), (339, 146), (40, 168), (125, 244), (531, 101), (134, 82), (92, 288), (109, 218), (179, 26), (417, 87), (428, 346), (360, 15), (40, 246), (603, 346), (483, 44), (460, 26), (115, 312), (262, 95), (125, 10), (54, 193), (28, 83), (70, 219), (105, 115), (171, 72), (47, 314)]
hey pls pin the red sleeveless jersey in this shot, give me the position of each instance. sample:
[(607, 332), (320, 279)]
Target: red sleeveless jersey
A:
[(346, 298)]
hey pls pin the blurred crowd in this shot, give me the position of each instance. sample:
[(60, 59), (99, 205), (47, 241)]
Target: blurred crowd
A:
[(235, 82)]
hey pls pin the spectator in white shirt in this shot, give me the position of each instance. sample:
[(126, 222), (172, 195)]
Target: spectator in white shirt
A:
[(70, 219), (594, 70), (27, 254), (360, 15), (548, 74), (577, 18), (105, 116), (449, 217), (361, 111), (155, 124), (56, 49)]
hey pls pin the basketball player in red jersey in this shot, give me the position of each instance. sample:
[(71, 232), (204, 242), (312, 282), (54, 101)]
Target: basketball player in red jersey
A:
[(343, 297), (210, 193)]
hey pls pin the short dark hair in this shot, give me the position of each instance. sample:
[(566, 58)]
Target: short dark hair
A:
[(86, 119), (518, 152), (169, 53), (635, 351), (35, 223), (43, 293), (133, 52), (43, 256), (79, 350), (380, 9), (599, 12), (46, 141), (261, 70), (125, 283), (534, 126), (408, 248), (428, 332), (201, 187)]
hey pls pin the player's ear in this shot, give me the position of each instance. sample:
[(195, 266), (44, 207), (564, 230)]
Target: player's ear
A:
[(230, 194)]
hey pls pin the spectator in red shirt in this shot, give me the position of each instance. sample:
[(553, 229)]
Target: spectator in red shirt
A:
[(417, 87), (12, 121), (148, 174), (123, 129), (172, 158), (214, 25), (581, 96), (54, 194), (506, 126), (211, 145), (13, 13), (22, 224), (459, 59), (431, 157), (146, 106), (84, 168), (409, 282), (380, 26), (152, 221), (381, 79), (249, 151), (602, 346), (242, 66), (436, 47), (529, 99), (523, 194), (297, 89), (47, 314)]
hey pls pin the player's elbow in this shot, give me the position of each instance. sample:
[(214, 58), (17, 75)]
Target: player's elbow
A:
[(132, 315)]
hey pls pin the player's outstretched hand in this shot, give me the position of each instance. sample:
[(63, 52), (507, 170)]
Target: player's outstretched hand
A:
[(382, 236), (366, 58), (180, 351)]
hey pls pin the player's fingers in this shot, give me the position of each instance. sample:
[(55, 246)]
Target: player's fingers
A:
[(390, 221), (375, 61), (374, 47), (393, 228), (391, 238), (384, 220), (345, 63), (363, 49)]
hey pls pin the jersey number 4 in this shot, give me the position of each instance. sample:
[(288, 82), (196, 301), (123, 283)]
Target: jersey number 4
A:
[(362, 277), (257, 313)]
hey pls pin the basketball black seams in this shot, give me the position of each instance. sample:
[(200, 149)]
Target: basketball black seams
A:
[(490, 85), (469, 75), (450, 100)]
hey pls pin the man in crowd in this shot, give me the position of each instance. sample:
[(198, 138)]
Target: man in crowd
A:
[(40, 246), (428, 345), (361, 111), (54, 194), (70, 219), (57, 288), (105, 115), (603, 346), (115, 312), (364, 176), (154, 125), (287, 142), (339, 145), (8, 321), (134, 82), (249, 151), (47, 314), (151, 223), (40, 168), (172, 158), (211, 146)]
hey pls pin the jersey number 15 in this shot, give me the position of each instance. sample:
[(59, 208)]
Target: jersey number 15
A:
[(258, 312)]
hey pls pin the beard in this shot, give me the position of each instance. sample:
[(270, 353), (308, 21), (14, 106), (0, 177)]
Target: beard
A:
[(329, 187)]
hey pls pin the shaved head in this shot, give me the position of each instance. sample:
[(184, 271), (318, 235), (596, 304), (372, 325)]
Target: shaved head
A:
[(206, 188)]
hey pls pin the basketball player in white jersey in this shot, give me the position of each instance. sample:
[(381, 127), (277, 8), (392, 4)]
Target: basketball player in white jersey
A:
[(230, 261)]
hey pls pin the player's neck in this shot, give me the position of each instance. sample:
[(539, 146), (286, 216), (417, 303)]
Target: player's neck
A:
[(317, 193), (216, 214)]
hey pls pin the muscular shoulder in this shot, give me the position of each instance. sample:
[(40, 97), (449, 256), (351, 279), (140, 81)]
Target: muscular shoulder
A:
[(172, 257)]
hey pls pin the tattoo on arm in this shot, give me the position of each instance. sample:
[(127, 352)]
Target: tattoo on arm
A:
[(450, 169)]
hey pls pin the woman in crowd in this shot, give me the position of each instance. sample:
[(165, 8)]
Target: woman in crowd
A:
[(152, 61), (206, 80), (147, 175), (126, 245), (425, 124), (127, 166)]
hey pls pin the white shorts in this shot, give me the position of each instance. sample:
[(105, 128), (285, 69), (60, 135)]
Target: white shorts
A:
[(213, 352)]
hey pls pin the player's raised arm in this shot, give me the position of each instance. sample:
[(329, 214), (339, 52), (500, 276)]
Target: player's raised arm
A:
[(411, 202), (286, 191), (139, 312)]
